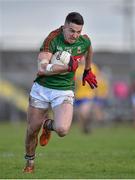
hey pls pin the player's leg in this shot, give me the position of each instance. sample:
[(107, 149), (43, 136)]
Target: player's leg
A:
[(62, 106), (37, 113), (35, 118), (62, 118), (62, 121)]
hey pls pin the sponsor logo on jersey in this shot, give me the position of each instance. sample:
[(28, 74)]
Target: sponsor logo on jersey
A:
[(68, 49), (59, 48), (79, 49)]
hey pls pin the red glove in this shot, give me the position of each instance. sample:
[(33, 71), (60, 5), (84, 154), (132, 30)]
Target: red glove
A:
[(72, 65), (90, 78)]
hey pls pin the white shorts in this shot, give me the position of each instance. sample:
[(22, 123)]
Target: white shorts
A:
[(42, 97)]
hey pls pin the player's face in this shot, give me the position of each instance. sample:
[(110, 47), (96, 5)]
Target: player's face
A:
[(72, 32)]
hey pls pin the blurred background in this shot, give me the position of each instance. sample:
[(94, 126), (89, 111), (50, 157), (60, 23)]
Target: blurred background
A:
[(111, 27)]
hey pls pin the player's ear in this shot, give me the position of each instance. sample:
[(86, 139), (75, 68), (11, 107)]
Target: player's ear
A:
[(65, 25)]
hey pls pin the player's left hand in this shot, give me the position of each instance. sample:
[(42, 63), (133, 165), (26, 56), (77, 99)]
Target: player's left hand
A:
[(90, 78), (72, 65)]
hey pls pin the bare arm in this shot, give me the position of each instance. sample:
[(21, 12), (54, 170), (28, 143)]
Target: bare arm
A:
[(88, 58), (44, 68)]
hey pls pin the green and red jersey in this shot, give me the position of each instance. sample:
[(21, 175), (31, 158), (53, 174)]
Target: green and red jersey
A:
[(55, 42)]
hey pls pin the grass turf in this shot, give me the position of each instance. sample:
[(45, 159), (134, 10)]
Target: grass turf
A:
[(107, 153)]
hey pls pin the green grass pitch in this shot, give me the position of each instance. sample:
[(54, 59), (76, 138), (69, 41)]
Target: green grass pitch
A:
[(107, 153)]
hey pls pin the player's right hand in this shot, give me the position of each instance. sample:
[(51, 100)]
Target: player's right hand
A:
[(72, 65)]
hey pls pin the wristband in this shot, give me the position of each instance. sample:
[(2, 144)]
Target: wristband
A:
[(49, 68)]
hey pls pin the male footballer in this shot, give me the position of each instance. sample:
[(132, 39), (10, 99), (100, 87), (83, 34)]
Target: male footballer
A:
[(54, 85)]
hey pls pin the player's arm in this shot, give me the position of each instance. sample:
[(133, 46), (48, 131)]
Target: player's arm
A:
[(88, 75), (88, 58), (46, 68)]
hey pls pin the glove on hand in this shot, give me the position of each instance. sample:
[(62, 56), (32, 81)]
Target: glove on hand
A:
[(72, 65), (90, 78)]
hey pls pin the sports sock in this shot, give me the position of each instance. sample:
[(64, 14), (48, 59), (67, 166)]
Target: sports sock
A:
[(49, 124), (30, 160), (29, 157)]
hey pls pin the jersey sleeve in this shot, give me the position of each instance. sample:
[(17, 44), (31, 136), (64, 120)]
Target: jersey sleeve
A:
[(49, 44)]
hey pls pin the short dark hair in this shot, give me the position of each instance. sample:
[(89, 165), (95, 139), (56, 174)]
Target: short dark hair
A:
[(74, 17)]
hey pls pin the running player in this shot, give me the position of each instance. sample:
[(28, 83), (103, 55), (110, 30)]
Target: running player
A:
[(54, 84)]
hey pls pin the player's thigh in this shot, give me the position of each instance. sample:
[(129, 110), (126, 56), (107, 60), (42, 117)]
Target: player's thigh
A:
[(63, 115), (35, 117)]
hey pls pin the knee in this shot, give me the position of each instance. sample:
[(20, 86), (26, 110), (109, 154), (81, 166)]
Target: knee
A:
[(32, 130), (62, 131)]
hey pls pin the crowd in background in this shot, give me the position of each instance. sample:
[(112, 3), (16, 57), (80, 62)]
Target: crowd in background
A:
[(111, 102)]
